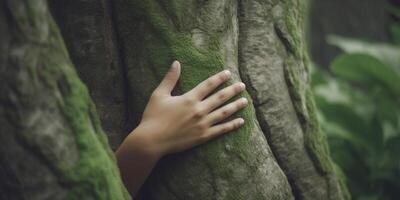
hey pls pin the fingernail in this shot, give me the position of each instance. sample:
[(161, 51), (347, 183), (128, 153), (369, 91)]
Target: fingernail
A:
[(175, 64), (242, 85), (241, 121), (227, 73), (244, 100)]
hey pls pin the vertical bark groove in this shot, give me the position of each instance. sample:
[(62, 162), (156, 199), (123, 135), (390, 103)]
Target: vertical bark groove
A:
[(90, 35), (272, 48)]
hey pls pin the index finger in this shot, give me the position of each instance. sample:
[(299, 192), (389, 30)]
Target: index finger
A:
[(210, 84)]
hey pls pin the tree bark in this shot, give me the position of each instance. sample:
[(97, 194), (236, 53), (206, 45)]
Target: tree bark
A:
[(52, 145), (123, 48)]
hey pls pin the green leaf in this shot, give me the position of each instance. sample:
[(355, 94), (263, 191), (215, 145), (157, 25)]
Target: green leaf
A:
[(389, 109), (389, 54), (364, 68), (340, 120), (318, 77), (334, 90)]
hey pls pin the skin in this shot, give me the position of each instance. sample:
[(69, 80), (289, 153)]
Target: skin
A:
[(190, 119)]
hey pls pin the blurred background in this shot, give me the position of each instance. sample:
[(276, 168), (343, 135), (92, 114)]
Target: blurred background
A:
[(355, 47)]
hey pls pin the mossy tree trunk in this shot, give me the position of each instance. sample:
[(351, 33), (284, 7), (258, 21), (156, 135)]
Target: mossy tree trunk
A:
[(121, 50), (52, 144)]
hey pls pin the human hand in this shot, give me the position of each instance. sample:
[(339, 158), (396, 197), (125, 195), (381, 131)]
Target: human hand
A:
[(172, 124)]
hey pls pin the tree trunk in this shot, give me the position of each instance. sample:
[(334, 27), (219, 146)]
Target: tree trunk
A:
[(122, 49), (52, 144), (366, 19)]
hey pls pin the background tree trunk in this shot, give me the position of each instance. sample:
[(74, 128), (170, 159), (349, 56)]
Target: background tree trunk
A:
[(52, 144), (365, 19), (122, 49)]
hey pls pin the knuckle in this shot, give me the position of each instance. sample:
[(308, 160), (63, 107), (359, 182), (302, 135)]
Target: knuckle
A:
[(220, 117), (189, 101), (225, 128), (210, 82), (155, 94), (222, 95), (198, 112), (221, 77), (202, 127), (225, 112)]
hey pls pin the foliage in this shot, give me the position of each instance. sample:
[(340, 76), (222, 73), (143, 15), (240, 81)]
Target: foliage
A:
[(382, 51), (359, 110)]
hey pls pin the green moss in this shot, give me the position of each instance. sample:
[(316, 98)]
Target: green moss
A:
[(168, 42), (342, 182), (298, 63), (316, 141), (165, 44), (95, 171), (234, 196), (95, 174), (299, 94)]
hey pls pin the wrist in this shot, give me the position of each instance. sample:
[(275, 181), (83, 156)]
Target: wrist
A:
[(142, 140), (136, 157)]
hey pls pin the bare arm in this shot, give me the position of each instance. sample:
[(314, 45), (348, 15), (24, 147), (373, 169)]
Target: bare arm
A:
[(171, 124)]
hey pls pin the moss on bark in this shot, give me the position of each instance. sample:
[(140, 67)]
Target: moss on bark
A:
[(230, 165), (298, 65), (51, 123), (261, 42)]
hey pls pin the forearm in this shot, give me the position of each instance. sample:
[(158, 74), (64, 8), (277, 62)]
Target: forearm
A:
[(135, 160)]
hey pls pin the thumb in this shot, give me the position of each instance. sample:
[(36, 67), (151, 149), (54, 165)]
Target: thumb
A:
[(168, 83)]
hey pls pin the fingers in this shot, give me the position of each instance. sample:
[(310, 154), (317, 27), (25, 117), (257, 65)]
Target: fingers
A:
[(226, 111), (222, 96), (168, 83), (208, 85), (224, 128)]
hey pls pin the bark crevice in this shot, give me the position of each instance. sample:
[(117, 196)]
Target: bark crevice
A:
[(130, 123)]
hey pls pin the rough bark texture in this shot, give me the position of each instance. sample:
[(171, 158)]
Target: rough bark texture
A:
[(262, 42), (52, 145), (273, 61), (123, 48), (90, 37), (239, 165)]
